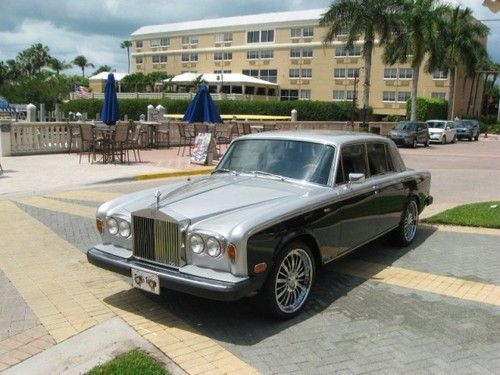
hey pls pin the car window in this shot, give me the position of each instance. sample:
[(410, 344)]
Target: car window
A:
[(353, 159), (378, 159)]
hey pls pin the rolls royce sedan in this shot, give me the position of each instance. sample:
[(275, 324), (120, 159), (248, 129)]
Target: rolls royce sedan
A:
[(277, 207)]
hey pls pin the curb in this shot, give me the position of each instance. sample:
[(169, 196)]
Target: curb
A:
[(175, 173)]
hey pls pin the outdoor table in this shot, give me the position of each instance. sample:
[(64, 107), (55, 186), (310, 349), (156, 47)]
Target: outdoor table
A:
[(152, 131), (106, 131)]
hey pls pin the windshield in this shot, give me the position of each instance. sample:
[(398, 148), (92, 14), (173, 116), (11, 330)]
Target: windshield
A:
[(405, 126), (436, 124), (290, 159), (463, 124)]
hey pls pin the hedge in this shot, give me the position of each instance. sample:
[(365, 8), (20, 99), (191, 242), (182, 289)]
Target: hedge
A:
[(429, 109), (306, 110)]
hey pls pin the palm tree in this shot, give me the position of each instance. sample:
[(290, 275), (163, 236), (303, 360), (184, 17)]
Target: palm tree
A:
[(416, 42), (127, 44), (81, 61), (58, 65), (33, 59), (363, 19), (461, 40), (103, 68)]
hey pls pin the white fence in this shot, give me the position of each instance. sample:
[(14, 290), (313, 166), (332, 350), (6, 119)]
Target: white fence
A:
[(175, 95), (41, 138)]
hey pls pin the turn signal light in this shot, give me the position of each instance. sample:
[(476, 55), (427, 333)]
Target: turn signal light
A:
[(260, 267), (100, 225), (231, 253)]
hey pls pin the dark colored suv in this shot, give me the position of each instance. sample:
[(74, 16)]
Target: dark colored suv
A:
[(410, 133), (467, 129)]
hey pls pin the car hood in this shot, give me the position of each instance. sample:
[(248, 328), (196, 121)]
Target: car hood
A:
[(215, 195), (401, 132)]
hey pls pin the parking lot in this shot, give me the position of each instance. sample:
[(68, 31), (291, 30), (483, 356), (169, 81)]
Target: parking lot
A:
[(433, 307)]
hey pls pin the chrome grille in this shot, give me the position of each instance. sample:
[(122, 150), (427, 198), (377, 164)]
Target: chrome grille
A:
[(156, 240)]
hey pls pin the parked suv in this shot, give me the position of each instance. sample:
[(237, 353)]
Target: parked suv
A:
[(442, 131), (410, 133), (467, 129)]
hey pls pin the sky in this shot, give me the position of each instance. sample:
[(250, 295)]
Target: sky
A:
[(95, 28)]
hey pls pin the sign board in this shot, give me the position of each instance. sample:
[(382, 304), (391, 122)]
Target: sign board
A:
[(201, 148)]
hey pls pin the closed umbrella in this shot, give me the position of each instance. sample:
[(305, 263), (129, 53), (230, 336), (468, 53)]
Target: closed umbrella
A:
[(202, 108), (110, 112)]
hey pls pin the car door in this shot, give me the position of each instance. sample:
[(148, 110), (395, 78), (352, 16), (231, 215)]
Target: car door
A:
[(422, 133), (389, 191), (356, 213)]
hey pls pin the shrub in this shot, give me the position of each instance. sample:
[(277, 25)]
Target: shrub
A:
[(429, 109), (307, 110)]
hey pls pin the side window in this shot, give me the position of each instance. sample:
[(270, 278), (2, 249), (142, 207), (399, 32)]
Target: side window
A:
[(377, 158), (353, 159)]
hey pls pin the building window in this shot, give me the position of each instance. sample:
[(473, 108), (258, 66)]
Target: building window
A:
[(266, 54), (352, 72), (157, 59), (296, 53), (270, 75), (189, 39), (306, 73), (295, 32), (405, 73), (355, 52), (338, 95), (222, 71), (187, 57), (308, 32), (403, 96), (252, 55), (294, 73), (138, 60), (138, 44), (289, 95), (440, 74), (223, 37), (250, 72), (389, 96), (162, 42), (439, 95), (223, 56), (390, 73), (349, 95), (305, 94), (263, 36), (340, 51), (343, 31), (339, 73)]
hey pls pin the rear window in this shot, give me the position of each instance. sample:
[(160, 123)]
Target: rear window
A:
[(379, 161), (353, 159)]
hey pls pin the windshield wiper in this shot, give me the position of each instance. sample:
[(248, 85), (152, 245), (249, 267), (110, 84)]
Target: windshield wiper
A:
[(262, 173), (224, 170)]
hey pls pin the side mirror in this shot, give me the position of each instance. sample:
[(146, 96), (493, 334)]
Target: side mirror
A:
[(447, 128), (356, 178)]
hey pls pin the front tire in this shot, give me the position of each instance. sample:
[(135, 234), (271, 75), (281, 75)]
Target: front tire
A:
[(443, 140), (287, 287), (405, 233), (414, 144)]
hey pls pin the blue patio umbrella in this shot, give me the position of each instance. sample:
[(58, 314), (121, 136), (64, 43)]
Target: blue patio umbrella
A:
[(4, 104), (202, 108), (110, 112)]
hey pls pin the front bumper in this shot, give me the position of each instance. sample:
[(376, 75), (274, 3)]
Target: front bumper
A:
[(461, 135), (175, 280), (402, 141)]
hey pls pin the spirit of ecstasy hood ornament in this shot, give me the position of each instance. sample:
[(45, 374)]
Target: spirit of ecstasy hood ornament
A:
[(158, 196)]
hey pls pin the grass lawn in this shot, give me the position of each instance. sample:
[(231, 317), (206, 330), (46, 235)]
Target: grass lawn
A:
[(131, 363), (483, 214)]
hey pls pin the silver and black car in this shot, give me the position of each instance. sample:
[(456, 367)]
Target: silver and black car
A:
[(410, 133), (467, 129), (277, 207)]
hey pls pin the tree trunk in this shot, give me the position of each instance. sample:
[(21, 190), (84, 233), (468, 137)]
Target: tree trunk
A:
[(414, 86), (128, 57), (451, 95), (470, 93), (368, 49), (474, 101)]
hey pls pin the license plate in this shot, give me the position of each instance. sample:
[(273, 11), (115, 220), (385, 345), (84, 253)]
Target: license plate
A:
[(146, 281)]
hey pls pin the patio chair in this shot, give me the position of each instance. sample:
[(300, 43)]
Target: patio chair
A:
[(89, 142), (119, 142), (269, 126), (246, 128), (224, 135), (74, 135), (163, 134), (134, 142), (186, 138)]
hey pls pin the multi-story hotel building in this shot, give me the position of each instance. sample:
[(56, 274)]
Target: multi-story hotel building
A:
[(287, 48)]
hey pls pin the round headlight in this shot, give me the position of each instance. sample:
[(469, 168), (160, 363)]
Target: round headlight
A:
[(112, 226), (196, 243), (124, 228), (213, 247)]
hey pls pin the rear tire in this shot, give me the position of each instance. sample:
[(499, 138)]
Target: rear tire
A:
[(414, 144), (287, 287), (427, 142), (405, 233), (476, 138)]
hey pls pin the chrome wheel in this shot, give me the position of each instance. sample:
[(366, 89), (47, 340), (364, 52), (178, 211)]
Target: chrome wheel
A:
[(293, 280), (410, 221)]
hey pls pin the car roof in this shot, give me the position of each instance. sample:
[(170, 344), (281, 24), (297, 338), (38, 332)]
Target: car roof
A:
[(333, 137)]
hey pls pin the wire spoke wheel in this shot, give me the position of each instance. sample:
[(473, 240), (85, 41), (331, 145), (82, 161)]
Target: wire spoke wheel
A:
[(293, 281), (410, 221)]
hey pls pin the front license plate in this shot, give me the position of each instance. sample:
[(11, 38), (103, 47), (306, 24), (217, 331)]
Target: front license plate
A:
[(146, 281)]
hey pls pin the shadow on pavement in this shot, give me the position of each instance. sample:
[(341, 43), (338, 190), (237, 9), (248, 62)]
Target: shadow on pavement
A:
[(242, 323)]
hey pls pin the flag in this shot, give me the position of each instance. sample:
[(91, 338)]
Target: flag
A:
[(82, 92)]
